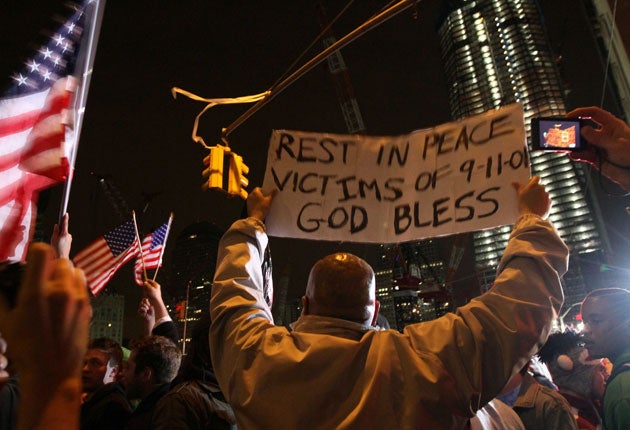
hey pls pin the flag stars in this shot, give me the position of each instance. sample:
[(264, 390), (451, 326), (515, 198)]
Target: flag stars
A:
[(47, 53), (70, 27), (46, 76), (59, 39), (34, 66), (21, 80)]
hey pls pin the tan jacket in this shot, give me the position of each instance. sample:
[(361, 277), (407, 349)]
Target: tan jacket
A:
[(335, 374)]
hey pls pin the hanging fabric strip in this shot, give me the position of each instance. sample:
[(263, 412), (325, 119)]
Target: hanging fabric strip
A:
[(212, 103)]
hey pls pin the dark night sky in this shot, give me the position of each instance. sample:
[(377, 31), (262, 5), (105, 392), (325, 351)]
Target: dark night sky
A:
[(135, 132)]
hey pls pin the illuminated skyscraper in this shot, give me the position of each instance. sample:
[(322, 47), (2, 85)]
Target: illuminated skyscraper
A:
[(495, 52)]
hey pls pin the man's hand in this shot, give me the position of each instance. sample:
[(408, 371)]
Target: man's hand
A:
[(153, 293), (258, 204), (532, 198), (61, 239), (50, 322), (147, 313), (47, 334), (613, 141)]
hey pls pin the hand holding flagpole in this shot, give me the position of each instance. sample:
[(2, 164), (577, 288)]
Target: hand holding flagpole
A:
[(168, 229)]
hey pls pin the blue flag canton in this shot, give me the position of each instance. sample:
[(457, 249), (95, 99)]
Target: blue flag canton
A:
[(54, 60), (120, 238), (159, 236)]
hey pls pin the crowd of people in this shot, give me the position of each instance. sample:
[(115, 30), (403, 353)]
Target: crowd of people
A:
[(479, 367)]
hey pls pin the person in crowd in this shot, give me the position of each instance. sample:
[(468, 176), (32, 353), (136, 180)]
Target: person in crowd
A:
[(496, 415), (195, 402), (541, 373), (46, 334), (152, 366), (9, 391), (609, 145), (105, 405), (335, 371), (580, 379), (606, 317), (10, 274), (539, 407), (155, 316)]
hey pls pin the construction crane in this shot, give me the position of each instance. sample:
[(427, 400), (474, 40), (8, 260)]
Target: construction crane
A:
[(113, 195), (341, 78)]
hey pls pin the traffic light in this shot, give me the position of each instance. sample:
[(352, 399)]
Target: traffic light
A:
[(225, 171), (214, 171), (237, 182), (180, 310)]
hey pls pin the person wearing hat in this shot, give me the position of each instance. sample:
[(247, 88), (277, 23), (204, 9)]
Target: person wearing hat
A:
[(580, 379)]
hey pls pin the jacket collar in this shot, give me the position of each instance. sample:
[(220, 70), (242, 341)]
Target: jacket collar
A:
[(331, 326)]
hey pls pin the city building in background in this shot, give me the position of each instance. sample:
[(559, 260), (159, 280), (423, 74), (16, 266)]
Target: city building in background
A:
[(108, 312), (496, 52), (192, 271), (605, 23), (410, 283)]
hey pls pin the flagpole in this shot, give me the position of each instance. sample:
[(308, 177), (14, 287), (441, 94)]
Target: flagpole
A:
[(81, 100), (135, 226), (168, 229)]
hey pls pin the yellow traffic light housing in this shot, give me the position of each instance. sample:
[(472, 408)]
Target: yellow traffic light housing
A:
[(220, 159), (237, 181), (214, 171)]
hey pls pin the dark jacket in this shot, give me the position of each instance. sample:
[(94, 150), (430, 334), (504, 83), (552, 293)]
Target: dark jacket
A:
[(193, 405), (142, 417), (167, 329), (9, 399), (108, 408)]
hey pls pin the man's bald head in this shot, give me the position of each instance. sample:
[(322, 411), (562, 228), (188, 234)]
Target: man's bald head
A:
[(342, 286)]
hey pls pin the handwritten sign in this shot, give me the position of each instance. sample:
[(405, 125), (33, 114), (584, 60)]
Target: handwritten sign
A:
[(452, 178)]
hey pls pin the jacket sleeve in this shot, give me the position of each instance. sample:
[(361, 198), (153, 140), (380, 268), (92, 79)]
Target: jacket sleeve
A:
[(167, 329), (239, 313), (486, 341)]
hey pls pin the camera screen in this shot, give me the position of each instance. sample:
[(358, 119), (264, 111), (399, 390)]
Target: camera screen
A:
[(558, 134)]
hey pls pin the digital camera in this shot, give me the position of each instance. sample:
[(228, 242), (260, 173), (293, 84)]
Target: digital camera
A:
[(557, 134)]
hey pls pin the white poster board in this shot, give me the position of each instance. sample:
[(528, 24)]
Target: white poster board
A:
[(452, 178)]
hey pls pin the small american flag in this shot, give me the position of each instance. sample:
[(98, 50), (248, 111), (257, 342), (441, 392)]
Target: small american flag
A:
[(152, 251), (34, 141), (106, 255)]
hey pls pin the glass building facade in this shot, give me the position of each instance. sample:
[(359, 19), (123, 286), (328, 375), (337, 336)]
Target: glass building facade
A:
[(495, 52)]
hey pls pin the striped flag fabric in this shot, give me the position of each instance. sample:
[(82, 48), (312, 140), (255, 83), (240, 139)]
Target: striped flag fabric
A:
[(152, 250), (102, 259), (35, 143)]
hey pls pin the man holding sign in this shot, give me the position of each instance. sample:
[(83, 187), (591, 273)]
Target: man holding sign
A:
[(334, 370)]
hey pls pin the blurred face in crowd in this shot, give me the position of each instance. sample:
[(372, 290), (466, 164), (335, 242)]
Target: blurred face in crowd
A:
[(134, 383), (605, 327), (97, 370)]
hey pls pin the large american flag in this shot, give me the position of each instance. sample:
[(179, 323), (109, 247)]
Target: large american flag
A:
[(34, 141), (152, 251), (101, 259)]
